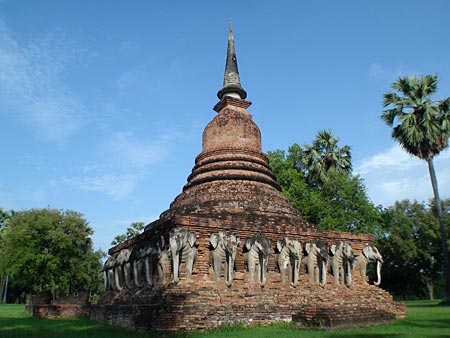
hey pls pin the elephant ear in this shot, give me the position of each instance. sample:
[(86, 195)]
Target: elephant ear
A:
[(308, 247), (366, 250), (238, 240), (280, 244), (162, 242), (248, 244), (333, 249), (192, 237), (214, 240)]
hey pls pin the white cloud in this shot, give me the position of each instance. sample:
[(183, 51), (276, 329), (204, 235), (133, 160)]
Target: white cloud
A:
[(115, 185), (124, 161), (395, 159), (105, 232), (125, 149), (30, 86), (394, 175), (376, 71), (162, 71)]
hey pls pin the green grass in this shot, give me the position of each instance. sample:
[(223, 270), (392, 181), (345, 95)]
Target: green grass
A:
[(425, 319)]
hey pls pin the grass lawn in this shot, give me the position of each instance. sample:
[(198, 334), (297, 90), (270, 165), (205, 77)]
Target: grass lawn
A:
[(424, 319)]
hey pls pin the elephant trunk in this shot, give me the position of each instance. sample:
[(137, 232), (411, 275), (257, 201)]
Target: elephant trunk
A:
[(348, 273), (378, 282), (127, 275), (295, 266), (323, 273), (148, 271), (175, 263), (229, 271), (105, 279), (110, 275), (263, 268), (117, 278), (137, 277)]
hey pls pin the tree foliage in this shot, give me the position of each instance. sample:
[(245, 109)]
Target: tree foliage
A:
[(48, 249), (316, 160), (422, 127), (411, 248), (134, 229), (334, 200)]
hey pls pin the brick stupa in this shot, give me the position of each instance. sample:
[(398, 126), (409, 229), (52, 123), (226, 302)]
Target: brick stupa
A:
[(232, 188)]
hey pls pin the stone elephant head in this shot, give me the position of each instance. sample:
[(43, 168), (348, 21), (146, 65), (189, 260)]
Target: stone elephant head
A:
[(341, 262), (224, 246), (316, 261), (369, 254), (149, 255), (288, 257), (108, 272), (257, 252), (183, 249), (122, 271)]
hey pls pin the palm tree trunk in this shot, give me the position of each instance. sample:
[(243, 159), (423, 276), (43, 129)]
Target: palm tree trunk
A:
[(430, 288), (443, 232)]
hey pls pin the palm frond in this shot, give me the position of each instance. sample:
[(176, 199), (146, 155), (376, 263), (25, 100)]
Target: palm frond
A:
[(389, 116), (430, 84), (444, 105)]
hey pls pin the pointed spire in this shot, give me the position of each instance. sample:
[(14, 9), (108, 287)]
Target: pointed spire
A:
[(231, 81)]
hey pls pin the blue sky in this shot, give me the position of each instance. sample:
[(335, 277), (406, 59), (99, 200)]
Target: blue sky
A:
[(103, 103)]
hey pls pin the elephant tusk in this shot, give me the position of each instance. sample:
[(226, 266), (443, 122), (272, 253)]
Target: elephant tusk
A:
[(378, 282)]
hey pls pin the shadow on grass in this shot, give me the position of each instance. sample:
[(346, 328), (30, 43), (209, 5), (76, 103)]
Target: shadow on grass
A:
[(439, 305), (365, 335), (66, 328), (426, 303), (435, 323)]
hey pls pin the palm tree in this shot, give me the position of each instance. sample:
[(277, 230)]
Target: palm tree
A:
[(422, 127), (324, 155)]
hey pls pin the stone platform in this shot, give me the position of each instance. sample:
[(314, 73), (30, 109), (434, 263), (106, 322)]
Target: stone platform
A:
[(205, 304)]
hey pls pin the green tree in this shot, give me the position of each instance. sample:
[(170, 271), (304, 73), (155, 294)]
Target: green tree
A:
[(410, 245), (343, 205), (321, 156), (134, 229), (48, 249), (5, 218), (422, 127), (340, 203)]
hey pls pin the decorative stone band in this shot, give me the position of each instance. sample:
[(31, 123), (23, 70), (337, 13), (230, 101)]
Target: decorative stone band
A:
[(226, 164), (232, 101), (237, 153)]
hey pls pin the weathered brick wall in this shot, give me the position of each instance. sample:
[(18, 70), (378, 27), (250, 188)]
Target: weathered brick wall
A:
[(42, 306), (58, 310), (205, 304)]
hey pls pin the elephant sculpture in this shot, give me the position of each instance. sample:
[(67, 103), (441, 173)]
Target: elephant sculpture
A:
[(288, 257), (151, 256), (341, 262), (257, 252), (224, 246), (316, 261), (122, 270), (369, 254), (183, 249), (108, 272)]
